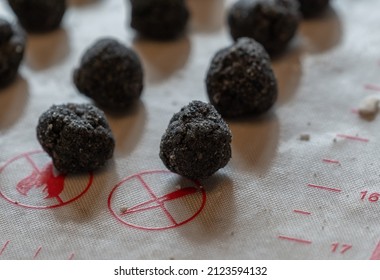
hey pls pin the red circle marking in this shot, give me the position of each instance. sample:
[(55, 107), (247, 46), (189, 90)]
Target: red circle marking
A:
[(60, 203), (158, 200)]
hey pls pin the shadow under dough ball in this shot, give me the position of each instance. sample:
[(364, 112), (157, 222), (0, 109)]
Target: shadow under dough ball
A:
[(240, 80), (12, 47), (76, 136), (38, 16), (159, 19), (197, 142), (273, 23), (311, 8), (111, 74)]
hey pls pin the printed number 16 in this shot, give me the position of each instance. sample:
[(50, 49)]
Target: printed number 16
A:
[(373, 197)]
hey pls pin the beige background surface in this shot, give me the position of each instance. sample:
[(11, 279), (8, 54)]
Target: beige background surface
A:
[(250, 203)]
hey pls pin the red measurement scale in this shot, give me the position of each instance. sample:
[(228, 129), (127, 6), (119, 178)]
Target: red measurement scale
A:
[(373, 197)]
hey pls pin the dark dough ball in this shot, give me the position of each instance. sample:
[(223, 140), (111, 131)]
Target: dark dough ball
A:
[(310, 8), (76, 136), (273, 23), (197, 142), (12, 47), (39, 16), (6, 31), (159, 19), (111, 74), (240, 80)]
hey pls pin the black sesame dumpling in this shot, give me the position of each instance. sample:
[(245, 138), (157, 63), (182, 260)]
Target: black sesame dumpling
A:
[(76, 136), (197, 142), (240, 80), (6, 31), (159, 19), (273, 23), (312, 8), (12, 47), (39, 16), (111, 74)]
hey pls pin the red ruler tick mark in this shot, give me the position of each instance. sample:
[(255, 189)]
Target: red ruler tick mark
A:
[(294, 239), (355, 138), (324, 188), (326, 160), (301, 212)]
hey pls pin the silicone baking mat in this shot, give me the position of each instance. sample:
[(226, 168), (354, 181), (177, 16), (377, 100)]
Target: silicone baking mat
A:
[(303, 181)]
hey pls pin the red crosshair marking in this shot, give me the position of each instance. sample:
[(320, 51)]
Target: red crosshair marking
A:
[(156, 201), (53, 184), (174, 195), (43, 178)]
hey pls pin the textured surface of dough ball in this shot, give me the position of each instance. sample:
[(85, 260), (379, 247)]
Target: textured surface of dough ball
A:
[(76, 136), (240, 80), (197, 142)]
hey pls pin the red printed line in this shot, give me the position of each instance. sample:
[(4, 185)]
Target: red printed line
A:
[(294, 239), (350, 137), (4, 247), (32, 163), (372, 87), (71, 256), (37, 252), (330, 161), (376, 253), (301, 212), (156, 199), (324, 188), (174, 195), (59, 199), (130, 211)]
